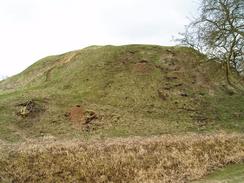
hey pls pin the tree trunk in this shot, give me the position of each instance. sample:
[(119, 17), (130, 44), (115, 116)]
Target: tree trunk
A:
[(228, 60), (227, 72)]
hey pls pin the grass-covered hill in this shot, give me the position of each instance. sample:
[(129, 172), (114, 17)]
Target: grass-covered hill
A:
[(62, 119), (117, 91)]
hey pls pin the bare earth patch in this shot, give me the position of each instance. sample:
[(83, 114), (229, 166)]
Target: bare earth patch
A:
[(81, 117)]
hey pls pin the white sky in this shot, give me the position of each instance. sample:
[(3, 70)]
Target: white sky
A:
[(32, 29)]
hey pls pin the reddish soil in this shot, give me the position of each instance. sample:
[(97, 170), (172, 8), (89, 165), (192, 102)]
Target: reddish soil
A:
[(81, 117), (76, 115), (143, 67)]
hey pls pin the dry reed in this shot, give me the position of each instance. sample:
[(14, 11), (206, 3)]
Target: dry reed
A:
[(169, 158)]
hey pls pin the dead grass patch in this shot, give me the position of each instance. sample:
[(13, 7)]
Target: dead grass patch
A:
[(169, 158)]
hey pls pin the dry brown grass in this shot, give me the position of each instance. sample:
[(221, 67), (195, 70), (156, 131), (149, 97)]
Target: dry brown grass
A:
[(169, 158)]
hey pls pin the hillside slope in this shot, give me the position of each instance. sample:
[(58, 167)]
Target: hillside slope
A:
[(107, 91)]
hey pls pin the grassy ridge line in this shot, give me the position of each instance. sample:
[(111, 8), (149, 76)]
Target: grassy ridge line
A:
[(169, 158)]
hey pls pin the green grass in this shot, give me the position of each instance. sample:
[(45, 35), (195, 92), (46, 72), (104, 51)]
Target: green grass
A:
[(135, 90), (230, 174)]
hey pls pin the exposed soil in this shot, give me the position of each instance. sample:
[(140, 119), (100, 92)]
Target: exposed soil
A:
[(80, 117), (66, 59), (76, 115), (143, 67)]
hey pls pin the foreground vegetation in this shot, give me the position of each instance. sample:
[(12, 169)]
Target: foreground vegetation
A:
[(169, 158)]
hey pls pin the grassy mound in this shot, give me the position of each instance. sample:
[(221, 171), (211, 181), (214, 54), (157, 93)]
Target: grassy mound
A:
[(121, 91), (105, 92), (169, 158)]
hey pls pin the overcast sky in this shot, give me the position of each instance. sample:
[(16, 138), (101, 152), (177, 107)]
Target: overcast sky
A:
[(32, 29)]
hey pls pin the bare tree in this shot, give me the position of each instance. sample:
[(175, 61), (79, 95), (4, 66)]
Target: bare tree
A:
[(219, 32)]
